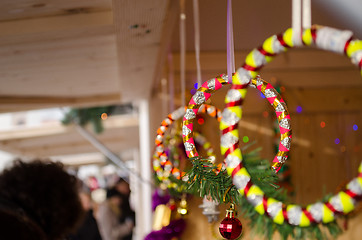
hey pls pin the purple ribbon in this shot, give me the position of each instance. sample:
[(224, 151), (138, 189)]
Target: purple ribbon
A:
[(230, 42)]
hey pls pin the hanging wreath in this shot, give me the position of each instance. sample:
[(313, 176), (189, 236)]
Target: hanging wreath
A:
[(230, 133), (289, 220), (343, 202), (164, 168)]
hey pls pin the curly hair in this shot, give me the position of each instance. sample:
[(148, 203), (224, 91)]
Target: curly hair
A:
[(47, 194)]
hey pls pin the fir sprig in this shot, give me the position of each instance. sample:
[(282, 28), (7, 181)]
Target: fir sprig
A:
[(203, 180)]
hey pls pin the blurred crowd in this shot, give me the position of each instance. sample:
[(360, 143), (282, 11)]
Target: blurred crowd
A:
[(41, 200)]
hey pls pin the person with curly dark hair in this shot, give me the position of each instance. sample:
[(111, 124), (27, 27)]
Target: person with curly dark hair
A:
[(38, 200)]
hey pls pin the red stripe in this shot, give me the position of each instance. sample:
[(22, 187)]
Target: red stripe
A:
[(281, 41), (265, 205), (231, 149), (360, 63), (360, 175), (250, 68), (265, 53), (235, 103), (313, 31), (285, 214), (229, 129), (247, 188), (236, 169), (239, 86), (350, 193), (347, 44), (331, 207), (309, 215), (160, 153)]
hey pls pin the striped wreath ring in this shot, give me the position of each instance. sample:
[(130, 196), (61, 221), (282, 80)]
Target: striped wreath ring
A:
[(341, 203), (162, 166), (229, 131)]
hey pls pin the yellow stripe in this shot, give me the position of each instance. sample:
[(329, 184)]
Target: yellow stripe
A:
[(205, 90), (221, 80), (282, 115), (253, 81), (193, 106), (187, 137), (277, 165), (236, 78), (192, 153), (188, 121), (282, 154), (285, 135), (263, 87)]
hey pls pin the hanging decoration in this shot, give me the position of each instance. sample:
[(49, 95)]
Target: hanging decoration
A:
[(210, 209), (167, 224), (252, 209), (285, 172), (204, 93), (230, 227), (166, 171), (343, 202)]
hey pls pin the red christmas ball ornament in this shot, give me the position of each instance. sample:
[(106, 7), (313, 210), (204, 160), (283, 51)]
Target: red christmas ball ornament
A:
[(230, 227)]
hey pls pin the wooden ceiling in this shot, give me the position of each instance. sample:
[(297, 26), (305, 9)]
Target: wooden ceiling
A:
[(99, 52), (57, 53)]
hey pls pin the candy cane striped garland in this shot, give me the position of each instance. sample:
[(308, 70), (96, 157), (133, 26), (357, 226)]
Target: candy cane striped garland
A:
[(201, 96), (343, 202), (161, 164), (230, 135)]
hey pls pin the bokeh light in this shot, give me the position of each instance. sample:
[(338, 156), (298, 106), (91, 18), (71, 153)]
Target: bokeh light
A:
[(299, 109), (104, 116), (200, 121), (355, 127), (245, 139), (336, 141), (343, 148), (323, 124)]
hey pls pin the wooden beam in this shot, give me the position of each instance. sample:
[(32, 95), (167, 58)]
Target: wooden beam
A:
[(25, 103), (294, 59), (25, 100), (138, 26), (312, 100), (113, 122), (292, 78), (56, 27), (168, 29), (70, 142)]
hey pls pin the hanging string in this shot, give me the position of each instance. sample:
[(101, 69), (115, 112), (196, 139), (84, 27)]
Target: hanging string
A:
[(182, 51), (171, 80), (297, 21), (230, 42), (197, 41), (307, 14), (164, 96)]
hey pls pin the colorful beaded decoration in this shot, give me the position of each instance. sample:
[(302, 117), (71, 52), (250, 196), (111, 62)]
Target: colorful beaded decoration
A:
[(162, 166), (205, 92), (343, 202)]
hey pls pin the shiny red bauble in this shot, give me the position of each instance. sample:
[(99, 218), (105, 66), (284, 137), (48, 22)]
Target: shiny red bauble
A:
[(230, 228)]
